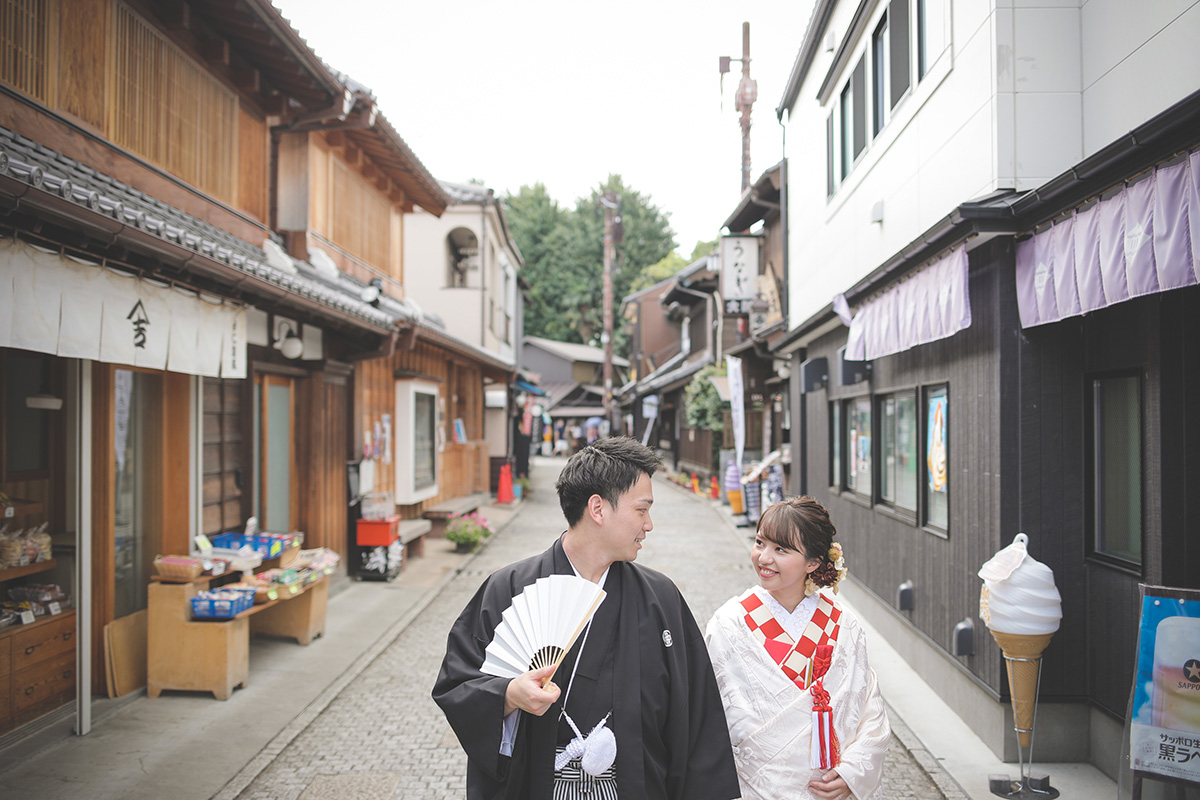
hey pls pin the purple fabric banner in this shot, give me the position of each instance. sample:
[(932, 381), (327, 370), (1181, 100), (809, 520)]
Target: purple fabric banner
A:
[(1142, 240), (928, 305)]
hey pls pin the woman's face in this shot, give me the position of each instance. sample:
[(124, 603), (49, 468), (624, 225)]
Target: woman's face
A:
[(781, 570)]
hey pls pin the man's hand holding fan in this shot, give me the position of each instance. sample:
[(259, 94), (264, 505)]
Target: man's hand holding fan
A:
[(534, 635)]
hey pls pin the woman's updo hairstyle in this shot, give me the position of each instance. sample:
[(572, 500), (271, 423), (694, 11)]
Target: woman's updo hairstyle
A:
[(803, 524)]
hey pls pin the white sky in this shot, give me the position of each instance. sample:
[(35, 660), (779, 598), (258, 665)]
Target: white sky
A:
[(567, 92)]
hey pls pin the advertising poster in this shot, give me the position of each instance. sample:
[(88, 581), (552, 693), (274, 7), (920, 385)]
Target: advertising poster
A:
[(935, 446), (1164, 731)]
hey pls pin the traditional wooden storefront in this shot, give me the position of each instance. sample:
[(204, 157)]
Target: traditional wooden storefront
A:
[(433, 395)]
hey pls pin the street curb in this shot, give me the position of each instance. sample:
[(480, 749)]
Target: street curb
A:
[(933, 768), (234, 787)]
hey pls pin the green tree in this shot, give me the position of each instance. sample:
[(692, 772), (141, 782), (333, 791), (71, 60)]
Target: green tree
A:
[(666, 267), (564, 257)]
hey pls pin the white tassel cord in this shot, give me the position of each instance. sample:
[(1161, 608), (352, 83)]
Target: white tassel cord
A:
[(598, 749)]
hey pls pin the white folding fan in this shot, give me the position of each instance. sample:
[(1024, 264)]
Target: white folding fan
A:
[(540, 626)]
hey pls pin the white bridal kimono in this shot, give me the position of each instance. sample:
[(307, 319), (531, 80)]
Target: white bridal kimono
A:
[(770, 715)]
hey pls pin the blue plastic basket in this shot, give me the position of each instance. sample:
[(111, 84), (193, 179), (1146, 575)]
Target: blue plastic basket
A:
[(265, 546), (222, 603)]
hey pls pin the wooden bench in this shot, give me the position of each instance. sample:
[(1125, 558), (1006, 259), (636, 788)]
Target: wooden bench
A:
[(412, 536), (440, 514)]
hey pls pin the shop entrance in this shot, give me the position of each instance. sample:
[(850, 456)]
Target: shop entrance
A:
[(275, 498)]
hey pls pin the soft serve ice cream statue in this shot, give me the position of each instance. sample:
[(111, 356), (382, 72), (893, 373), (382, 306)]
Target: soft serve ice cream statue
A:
[(1022, 608)]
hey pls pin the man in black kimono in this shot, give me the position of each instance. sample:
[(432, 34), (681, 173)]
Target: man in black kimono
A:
[(643, 663)]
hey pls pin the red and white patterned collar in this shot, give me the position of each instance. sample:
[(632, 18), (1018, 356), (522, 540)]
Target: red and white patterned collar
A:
[(794, 658)]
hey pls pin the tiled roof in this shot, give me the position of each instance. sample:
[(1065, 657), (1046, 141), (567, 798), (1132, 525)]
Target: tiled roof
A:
[(574, 352), (48, 171)]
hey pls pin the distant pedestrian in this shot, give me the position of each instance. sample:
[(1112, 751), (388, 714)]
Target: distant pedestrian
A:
[(805, 715), (639, 669)]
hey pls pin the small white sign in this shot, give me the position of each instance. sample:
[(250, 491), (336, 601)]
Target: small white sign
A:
[(54, 608), (26, 617)]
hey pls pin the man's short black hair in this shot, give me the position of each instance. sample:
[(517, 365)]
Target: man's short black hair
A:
[(608, 467)]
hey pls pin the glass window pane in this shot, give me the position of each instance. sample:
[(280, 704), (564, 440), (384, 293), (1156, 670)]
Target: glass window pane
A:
[(278, 516), (847, 139), (1117, 467), (905, 451), (879, 76), (898, 43), (424, 422), (137, 500), (859, 79), (835, 443), (858, 477), (887, 471), (937, 459), (829, 155), (26, 430)]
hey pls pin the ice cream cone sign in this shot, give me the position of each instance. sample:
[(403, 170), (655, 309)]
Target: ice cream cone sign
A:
[(1022, 608)]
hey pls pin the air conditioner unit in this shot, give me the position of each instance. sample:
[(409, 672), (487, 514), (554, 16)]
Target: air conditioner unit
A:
[(852, 372), (814, 374)]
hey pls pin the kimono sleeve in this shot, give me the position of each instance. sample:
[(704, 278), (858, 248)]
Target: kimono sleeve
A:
[(472, 701), (710, 771), (863, 756)]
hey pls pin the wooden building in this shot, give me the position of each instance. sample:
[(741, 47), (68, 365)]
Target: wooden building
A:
[(182, 275)]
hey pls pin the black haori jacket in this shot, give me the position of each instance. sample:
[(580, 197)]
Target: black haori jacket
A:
[(645, 660)]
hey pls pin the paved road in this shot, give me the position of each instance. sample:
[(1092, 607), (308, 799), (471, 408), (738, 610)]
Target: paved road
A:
[(383, 737)]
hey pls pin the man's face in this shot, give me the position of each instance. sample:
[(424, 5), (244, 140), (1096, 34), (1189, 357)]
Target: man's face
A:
[(626, 524)]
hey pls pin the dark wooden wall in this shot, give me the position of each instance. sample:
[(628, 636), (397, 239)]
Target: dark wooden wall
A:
[(883, 549), (1018, 462)]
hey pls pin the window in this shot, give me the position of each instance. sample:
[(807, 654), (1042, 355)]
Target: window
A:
[(898, 450), (835, 443), (931, 34), (899, 46), (859, 80), (847, 127), (25, 39), (829, 148), (424, 433), (25, 431), (418, 440), (879, 76), (1115, 468), (170, 110), (937, 459), (858, 424), (138, 485)]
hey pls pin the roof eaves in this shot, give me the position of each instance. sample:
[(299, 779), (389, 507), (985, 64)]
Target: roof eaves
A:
[(817, 23)]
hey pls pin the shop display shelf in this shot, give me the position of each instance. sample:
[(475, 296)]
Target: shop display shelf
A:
[(30, 569)]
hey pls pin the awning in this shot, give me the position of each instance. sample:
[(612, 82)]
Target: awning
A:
[(50, 303), (925, 306), (1141, 240), (528, 387)]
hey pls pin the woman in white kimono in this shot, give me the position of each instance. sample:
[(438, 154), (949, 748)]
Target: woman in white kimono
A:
[(805, 716)]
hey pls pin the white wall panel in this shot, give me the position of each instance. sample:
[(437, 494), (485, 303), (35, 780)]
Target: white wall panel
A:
[(1150, 77), (1048, 136), (1047, 49)]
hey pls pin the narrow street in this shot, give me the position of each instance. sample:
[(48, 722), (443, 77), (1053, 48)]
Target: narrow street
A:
[(383, 736)]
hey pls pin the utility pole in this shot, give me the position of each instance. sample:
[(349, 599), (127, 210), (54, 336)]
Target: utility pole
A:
[(747, 93), (611, 205)]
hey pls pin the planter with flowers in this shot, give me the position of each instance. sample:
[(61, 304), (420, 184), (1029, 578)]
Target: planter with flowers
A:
[(467, 531)]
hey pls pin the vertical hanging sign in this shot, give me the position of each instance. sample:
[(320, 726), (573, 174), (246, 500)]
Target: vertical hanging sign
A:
[(737, 404), (739, 273)]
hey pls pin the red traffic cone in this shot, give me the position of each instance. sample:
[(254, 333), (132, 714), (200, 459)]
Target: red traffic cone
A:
[(714, 490), (504, 492)]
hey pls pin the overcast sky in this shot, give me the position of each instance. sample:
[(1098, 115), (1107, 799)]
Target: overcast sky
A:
[(565, 93)]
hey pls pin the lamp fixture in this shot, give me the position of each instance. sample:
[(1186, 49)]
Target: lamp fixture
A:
[(371, 292), (287, 342)]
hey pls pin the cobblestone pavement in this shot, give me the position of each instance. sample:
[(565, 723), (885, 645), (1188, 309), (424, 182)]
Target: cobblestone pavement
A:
[(383, 736)]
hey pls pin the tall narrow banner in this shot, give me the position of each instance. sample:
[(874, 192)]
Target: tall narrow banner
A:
[(1164, 718), (737, 406)]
